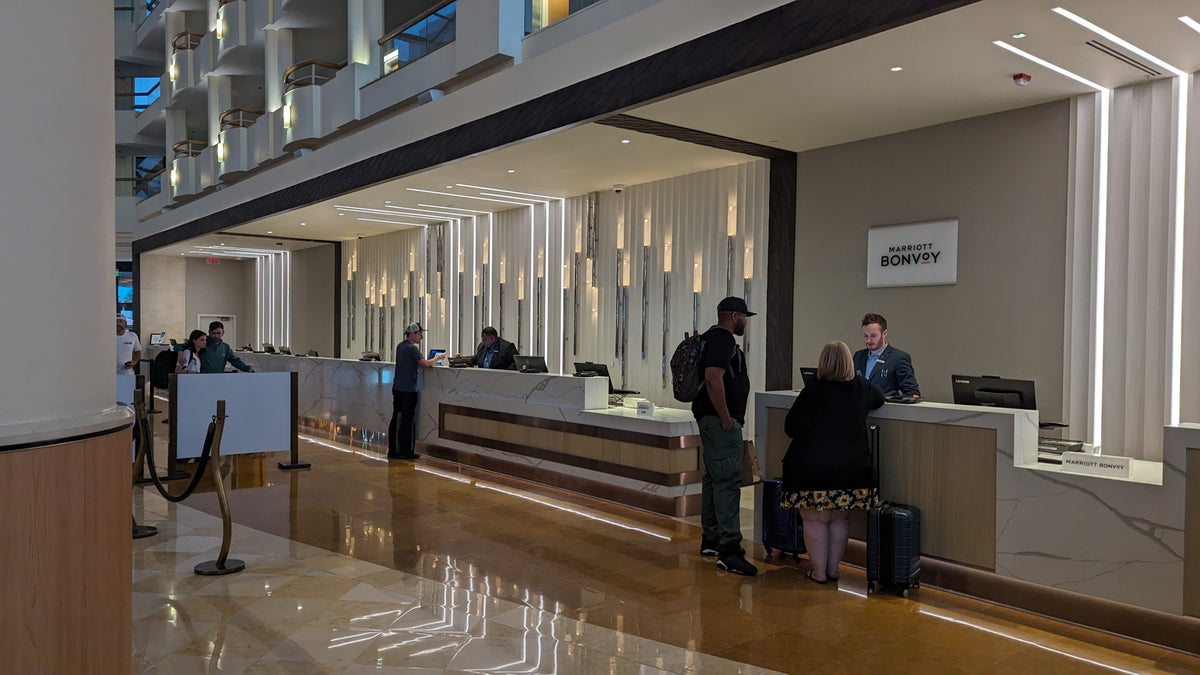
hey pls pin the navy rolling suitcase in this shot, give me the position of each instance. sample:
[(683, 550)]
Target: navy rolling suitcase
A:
[(893, 539), (781, 527)]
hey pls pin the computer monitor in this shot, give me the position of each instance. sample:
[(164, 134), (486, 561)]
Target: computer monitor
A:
[(809, 375), (531, 364), (433, 353), (158, 338), (600, 370), (268, 347), (993, 391), (285, 350)]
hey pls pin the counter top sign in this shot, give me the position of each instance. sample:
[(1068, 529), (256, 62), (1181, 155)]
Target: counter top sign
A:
[(915, 254), (1095, 465)]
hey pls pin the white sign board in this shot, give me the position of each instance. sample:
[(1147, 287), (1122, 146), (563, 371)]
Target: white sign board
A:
[(258, 412), (917, 254), (125, 386), (1095, 465)]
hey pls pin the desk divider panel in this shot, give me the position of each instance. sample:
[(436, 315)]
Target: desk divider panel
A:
[(262, 411)]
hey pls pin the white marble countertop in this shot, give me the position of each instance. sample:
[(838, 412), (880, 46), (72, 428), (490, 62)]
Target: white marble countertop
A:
[(1023, 424), (664, 422)]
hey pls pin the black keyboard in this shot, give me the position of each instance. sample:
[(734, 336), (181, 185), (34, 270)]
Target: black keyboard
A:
[(897, 398)]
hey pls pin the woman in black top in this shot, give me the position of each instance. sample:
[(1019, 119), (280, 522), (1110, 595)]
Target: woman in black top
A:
[(827, 469)]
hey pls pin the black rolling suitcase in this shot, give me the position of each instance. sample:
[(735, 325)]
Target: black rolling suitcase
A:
[(893, 539), (781, 527)]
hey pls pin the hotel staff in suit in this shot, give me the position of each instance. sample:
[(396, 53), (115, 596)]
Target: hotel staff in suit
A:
[(494, 351), (885, 366)]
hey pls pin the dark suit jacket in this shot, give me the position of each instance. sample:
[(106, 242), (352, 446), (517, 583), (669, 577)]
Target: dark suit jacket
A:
[(502, 359), (893, 371)]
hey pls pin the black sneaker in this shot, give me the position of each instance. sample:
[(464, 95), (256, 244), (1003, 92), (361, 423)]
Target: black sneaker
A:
[(710, 548), (737, 564)]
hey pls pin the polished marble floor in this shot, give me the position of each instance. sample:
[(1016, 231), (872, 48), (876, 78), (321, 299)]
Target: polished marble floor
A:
[(361, 566)]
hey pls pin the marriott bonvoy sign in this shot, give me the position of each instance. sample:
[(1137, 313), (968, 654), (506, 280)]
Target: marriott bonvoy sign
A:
[(916, 254)]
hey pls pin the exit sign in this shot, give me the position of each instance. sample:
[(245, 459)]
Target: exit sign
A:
[(212, 260)]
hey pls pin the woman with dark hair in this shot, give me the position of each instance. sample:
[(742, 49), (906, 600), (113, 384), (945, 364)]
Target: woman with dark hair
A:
[(189, 358), (827, 469)]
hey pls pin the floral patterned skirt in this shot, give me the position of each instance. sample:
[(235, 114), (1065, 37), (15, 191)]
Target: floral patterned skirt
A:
[(859, 498)]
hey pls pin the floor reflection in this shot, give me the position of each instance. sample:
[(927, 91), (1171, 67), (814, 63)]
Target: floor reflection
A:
[(427, 560)]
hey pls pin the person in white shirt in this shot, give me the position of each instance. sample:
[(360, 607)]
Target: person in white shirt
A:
[(129, 348), (189, 358)]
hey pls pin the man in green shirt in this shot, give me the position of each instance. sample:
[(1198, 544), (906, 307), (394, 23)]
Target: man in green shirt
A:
[(217, 353)]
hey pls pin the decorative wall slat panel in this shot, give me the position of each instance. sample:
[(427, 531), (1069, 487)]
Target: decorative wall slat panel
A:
[(580, 316)]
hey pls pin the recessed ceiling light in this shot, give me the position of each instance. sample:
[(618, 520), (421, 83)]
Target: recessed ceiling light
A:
[(182, 254), (1018, 36), (221, 244), (270, 232), (512, 170), (303, 224), (449, 187), (624, 140), (387, 201), (896, 69), (341, 214)]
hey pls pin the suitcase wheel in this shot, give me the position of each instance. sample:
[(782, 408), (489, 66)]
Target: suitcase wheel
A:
[(870, 587), (768, 550), (904, 592)]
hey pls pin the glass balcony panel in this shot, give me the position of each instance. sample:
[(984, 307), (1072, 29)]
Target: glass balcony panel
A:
[(429, 32)]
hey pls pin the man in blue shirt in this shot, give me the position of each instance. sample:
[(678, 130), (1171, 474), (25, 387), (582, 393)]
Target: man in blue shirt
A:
[(402, 431), (885, 366)]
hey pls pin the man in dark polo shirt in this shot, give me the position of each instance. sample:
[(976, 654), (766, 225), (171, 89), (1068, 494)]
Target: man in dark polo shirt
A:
[(402, 432), (720, 411)]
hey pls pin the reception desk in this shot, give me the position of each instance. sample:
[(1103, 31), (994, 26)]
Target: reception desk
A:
[(987, 504), (552, 429)]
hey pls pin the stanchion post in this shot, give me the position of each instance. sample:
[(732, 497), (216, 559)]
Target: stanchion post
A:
[(150, 409), (294, 461), (173, 470), (223, 564), (141, 441)]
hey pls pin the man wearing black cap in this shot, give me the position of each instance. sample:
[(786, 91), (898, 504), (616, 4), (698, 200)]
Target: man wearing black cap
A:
[(720, 411), (402, 432)]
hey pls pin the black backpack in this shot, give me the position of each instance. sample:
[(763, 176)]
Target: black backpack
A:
[(686, 378), (161, 367)]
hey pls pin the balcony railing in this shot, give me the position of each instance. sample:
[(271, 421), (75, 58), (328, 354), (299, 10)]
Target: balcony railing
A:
[(429, 31), (136, 11), (146, 181), (188, 148), (138, 100), (185, 41), (312, 72), (235, 118)]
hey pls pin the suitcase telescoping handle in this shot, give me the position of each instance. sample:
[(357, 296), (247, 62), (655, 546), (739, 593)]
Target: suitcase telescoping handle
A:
[(873, 441)]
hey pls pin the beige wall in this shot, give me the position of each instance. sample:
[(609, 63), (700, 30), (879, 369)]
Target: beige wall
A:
[(220, 289), (313, 320), (162, 280), (1004, 177)]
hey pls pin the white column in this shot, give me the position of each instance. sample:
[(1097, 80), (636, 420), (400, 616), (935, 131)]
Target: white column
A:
[(57, 197), (278, 60), (364, 28), (220, 99)]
